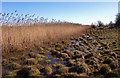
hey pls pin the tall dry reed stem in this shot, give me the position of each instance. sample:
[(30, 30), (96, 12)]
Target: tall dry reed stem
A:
[(21, 37)]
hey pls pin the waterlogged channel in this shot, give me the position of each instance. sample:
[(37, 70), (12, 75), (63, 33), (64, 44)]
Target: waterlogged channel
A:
[(85, 48)]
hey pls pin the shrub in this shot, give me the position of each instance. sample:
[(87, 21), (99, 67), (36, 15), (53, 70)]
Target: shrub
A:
[(93, 26), (117, 23), (100, 24)]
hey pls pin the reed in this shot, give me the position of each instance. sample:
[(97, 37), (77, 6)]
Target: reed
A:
[(20, 32), (22, 37)]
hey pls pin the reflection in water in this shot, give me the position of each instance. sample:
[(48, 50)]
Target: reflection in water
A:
[(52, 59), (86, 49), (77, 43)]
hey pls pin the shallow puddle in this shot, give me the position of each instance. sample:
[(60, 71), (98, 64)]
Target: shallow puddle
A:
[(85, 47), (54, 60)]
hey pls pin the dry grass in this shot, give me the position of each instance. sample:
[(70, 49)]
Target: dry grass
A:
[(20, 37)]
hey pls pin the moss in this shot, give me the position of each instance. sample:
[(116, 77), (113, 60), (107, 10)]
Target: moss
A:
[(39, 66), (58, 46), (88, 55), (13, 59), (118, 56), (77, 53), (47, 70), (81, 44), (72, 75), (62, 70), (47, 61), (23, 58), (112, 75), (107, 61), (114, 64), (72, 49), (40, 76), (85, 42), (49, 49), (105, 69), (65, 47), (97, 66), (71, 62), (61, 59), (72, 45), (12, 73), (92, 62), (13, 66), (58, 49), (64, 55), (40, 59), (40, 49), (40, 56), (72, 38), (80, 68), (67, 51), (5, 62), (57, 76), (63, 41), (31, 55), (113, 54), (28, 71), (58, 65), (70, 54), (56, 53), (53, 51), (81, 39), (77, 39), (30, 61), (43, 52), (87, 61)]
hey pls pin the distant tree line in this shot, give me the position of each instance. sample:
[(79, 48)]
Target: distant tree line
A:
[(116, 24)]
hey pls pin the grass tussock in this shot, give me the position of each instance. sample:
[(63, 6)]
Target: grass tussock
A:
[(27, 37)]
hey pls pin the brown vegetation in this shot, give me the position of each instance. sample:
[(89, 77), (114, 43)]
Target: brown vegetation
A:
[(17, 38)]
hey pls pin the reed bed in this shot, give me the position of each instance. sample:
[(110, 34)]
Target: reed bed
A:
[(25, 31), (16, 38)]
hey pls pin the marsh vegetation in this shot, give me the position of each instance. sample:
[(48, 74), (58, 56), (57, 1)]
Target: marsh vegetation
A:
[(60, 50)]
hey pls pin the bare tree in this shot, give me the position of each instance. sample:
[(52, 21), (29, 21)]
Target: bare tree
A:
[(100, 24)]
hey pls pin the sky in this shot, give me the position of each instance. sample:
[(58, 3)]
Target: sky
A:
[(76, 12)]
